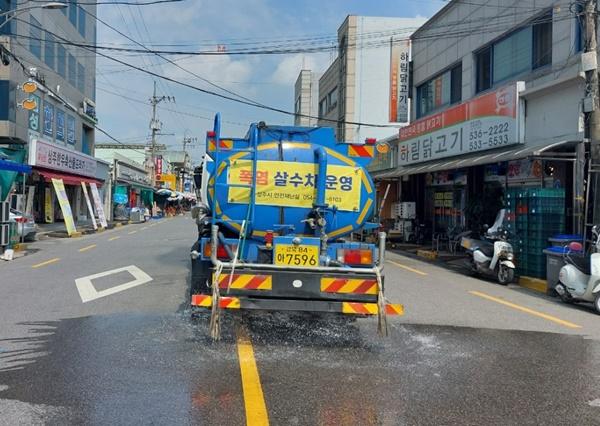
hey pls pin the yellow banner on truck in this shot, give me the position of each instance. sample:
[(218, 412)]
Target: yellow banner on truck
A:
[(289, 184)]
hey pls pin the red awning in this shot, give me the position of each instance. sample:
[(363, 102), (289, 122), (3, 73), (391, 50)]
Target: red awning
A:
[(68, 179)]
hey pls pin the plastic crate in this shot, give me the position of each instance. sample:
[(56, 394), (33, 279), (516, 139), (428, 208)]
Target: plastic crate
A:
[(546, 206)]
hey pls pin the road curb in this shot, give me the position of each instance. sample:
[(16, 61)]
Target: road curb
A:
[(534, 284)]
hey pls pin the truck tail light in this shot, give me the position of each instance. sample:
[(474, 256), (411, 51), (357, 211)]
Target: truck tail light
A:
[(269, 239), (355, 256), (211, 134), (221, 251), (370, 141)]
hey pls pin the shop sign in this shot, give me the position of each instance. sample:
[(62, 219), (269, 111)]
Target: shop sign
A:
[(131, 174), (52, 156), (168, 179), (98, 204), (48, 119), (60, 125), (520, 170), (120, 198), (65, 207), (399, 85), (485, 122), (34, 114), (451, 177), (283, 183), (495, 173)]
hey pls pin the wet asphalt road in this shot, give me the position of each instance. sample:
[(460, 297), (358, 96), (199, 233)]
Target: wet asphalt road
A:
[(139, 357)]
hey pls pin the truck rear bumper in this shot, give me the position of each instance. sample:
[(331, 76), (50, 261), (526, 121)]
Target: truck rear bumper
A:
[(252, 303)]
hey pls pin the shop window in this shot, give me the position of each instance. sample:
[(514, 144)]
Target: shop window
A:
[(5, 29), (35, 42), (73, 12), (81, 78), (439, 92), (50, 52), (323, 107), (61, 61), (332, 99), (72, 70), (522, 51), (81, 21)]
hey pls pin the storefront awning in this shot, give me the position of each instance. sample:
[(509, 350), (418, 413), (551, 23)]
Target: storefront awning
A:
[(514, 152), (68, 179), (12, 166), (137, 185)]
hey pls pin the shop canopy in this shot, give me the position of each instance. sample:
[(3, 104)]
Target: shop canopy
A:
[(515, 152), (68, 179)]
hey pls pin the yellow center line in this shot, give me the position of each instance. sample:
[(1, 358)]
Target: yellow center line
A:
[(254, 400), (408, 268), (526, 310), (132, 232), (47, 262), (114, 238), (87, 248)]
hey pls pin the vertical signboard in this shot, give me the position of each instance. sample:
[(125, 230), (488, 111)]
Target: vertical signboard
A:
[(48, 205), (34, 114), (98, 204), (159, 164), (29, 203), (89, 205), (60, 125), (65, 207), (48, 119), (399, 80)]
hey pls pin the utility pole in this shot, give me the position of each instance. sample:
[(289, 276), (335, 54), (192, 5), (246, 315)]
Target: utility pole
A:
[(155, 127), (186, 141), (592, 119)]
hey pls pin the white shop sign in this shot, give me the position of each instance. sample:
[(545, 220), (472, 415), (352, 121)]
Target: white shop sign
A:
[(486, 122), (52, 156)]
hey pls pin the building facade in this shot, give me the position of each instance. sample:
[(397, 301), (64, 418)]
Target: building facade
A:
[(306, 98), (498, 118), (361, 85), (58, 133)]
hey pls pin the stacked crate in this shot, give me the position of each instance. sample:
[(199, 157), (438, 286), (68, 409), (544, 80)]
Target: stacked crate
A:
[(517, 225), (546, 217)]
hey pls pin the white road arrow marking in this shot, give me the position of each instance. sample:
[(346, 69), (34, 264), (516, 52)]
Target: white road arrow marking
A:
[(595, 403), (88, 292)]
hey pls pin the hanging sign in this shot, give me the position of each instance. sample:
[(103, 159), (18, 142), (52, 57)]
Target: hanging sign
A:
[(98, 204), (89, 205), (65, 207)]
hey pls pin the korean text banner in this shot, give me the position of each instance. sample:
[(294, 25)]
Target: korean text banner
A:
[(485, 122), (65, 207), (281, 183)]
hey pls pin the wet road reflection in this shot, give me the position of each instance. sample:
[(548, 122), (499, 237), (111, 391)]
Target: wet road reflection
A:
[(164, 369)]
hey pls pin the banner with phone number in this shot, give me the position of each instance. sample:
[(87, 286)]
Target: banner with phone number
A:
[(281, 183)]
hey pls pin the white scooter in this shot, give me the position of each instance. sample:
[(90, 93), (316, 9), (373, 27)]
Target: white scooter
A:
[(579, 280), (492, 256)]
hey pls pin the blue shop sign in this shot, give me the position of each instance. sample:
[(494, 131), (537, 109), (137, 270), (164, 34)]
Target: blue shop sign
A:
[(48, 119)]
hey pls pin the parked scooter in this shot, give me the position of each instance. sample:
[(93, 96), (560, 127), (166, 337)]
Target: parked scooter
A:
[(579, 279), (492, 255)]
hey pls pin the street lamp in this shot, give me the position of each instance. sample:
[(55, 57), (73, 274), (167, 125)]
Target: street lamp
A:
[(53, 5)]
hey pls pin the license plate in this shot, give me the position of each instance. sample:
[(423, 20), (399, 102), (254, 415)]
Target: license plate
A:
[(289, 254)]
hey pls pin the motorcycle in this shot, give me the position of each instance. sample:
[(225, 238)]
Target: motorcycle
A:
[(492, 255), (579, 279)]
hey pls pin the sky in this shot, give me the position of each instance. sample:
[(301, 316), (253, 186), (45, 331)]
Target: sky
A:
[(122, 94)]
